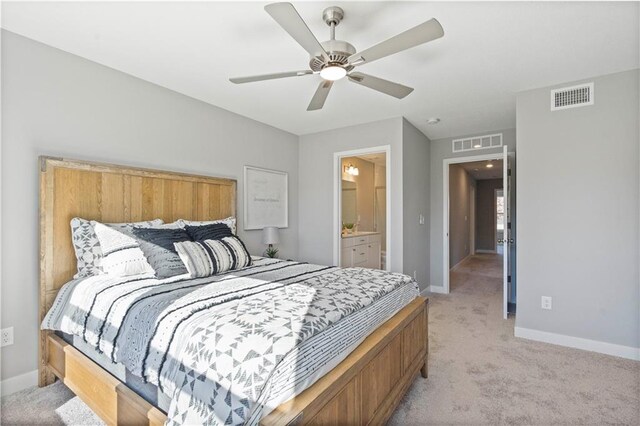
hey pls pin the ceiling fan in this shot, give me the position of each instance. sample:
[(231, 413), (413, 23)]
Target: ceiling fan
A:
[(334, 59)]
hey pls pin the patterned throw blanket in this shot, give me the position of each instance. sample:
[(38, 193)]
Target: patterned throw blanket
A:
[(227, 349)]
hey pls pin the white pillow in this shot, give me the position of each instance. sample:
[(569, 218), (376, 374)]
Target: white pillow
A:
[(87, 247), (230, 222), (121, 253)]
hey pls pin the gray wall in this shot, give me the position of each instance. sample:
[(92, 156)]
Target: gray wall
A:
[(441, 149), (59, 104), (316, 209), (486, 213), (460, 185), (578, 214), (415, 149)]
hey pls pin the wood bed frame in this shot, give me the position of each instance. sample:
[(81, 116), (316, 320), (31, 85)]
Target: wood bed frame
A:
[(365, 388)]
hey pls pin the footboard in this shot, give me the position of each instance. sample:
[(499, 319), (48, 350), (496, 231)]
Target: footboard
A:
[(365, 388), (368, 385)]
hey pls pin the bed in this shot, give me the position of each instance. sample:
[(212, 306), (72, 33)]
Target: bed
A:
[(355, 339)]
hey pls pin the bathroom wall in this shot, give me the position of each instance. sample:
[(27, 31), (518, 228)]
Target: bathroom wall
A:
[(380, 202)]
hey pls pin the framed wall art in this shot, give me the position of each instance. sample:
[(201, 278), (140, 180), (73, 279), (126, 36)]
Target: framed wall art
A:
[(266, 198)]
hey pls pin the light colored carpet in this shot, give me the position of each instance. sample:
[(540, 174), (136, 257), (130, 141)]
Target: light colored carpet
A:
[(478, 372), (53, 405)]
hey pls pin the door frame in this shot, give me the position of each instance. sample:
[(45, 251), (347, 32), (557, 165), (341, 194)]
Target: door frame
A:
[(445, 207), (337, 199), (472, 220)]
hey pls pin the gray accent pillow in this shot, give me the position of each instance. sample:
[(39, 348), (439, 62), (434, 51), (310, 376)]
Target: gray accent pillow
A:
[(230, 222), (157, 244), (87, 247)]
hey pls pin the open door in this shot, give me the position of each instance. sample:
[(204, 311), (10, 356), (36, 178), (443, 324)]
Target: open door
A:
[(508, 241)]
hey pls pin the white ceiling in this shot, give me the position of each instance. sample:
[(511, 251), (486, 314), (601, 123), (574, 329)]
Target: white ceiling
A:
[(479, 170), (380, 158), (468, 78)]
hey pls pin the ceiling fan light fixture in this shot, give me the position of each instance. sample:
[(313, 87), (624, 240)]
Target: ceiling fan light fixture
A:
[(333, 73)]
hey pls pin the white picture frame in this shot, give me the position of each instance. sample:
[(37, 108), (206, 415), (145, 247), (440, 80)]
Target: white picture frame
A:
[(266, 198)]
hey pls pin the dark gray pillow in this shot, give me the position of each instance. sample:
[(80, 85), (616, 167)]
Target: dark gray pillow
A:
[(213, 231), (157, 246)]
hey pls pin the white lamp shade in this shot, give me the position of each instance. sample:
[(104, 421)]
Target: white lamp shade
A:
[(270, 235)]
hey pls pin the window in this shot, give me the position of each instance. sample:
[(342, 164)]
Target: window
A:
[(500, 212)]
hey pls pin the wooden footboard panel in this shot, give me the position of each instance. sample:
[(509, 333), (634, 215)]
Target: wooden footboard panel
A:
[(369, 384), (363, 389), (113, 401)]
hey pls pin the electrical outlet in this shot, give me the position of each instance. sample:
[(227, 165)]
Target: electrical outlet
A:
[(7, 337), (546, 302), (421, 219)]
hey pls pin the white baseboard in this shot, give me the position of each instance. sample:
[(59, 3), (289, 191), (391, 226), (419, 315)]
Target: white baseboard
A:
[(425, 292), (437, 289), (18, 383), (460, 262), (579, 343)]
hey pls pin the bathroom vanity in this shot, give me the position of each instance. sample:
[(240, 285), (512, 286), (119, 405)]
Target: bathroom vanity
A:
[(361, 249)]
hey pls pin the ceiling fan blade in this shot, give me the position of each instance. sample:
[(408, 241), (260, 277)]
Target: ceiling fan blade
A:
[(287, 16), (239, 80), (317, 102), (427, 31), (385, 86)]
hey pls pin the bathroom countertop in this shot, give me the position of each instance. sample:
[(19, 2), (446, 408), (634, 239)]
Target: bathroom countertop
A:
[(359, 234)]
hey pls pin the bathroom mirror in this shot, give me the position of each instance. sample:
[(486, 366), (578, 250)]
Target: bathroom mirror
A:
[(349, 202)]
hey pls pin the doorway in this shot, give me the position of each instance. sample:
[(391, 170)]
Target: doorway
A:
[(471, 233), (361, 234)]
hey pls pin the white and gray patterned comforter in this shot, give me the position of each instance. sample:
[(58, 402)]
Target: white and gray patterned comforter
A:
[(228, 349)]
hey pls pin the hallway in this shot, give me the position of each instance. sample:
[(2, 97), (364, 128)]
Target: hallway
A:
[(480, 374), (480, 273)]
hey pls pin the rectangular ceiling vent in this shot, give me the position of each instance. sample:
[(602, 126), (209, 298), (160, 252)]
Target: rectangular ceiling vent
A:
[(572, 97), (475, 143)]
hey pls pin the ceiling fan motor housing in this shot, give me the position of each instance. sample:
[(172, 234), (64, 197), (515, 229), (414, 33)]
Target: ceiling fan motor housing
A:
[(338, 52)]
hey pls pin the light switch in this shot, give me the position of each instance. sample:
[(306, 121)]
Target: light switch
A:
[(421, 219)]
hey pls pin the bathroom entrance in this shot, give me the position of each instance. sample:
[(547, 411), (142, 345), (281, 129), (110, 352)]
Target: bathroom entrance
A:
[(362, 209)]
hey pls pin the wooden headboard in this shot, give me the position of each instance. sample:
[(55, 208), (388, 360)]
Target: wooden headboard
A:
[(110, 193)]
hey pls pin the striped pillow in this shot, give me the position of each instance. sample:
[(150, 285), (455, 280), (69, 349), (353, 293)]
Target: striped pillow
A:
[(211, 257)]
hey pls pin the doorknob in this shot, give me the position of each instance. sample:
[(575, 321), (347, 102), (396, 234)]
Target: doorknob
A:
[(500, 241), (511, 241)]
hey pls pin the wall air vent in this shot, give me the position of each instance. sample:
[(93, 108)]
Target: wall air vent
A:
[(572, 97), (475, 143)]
